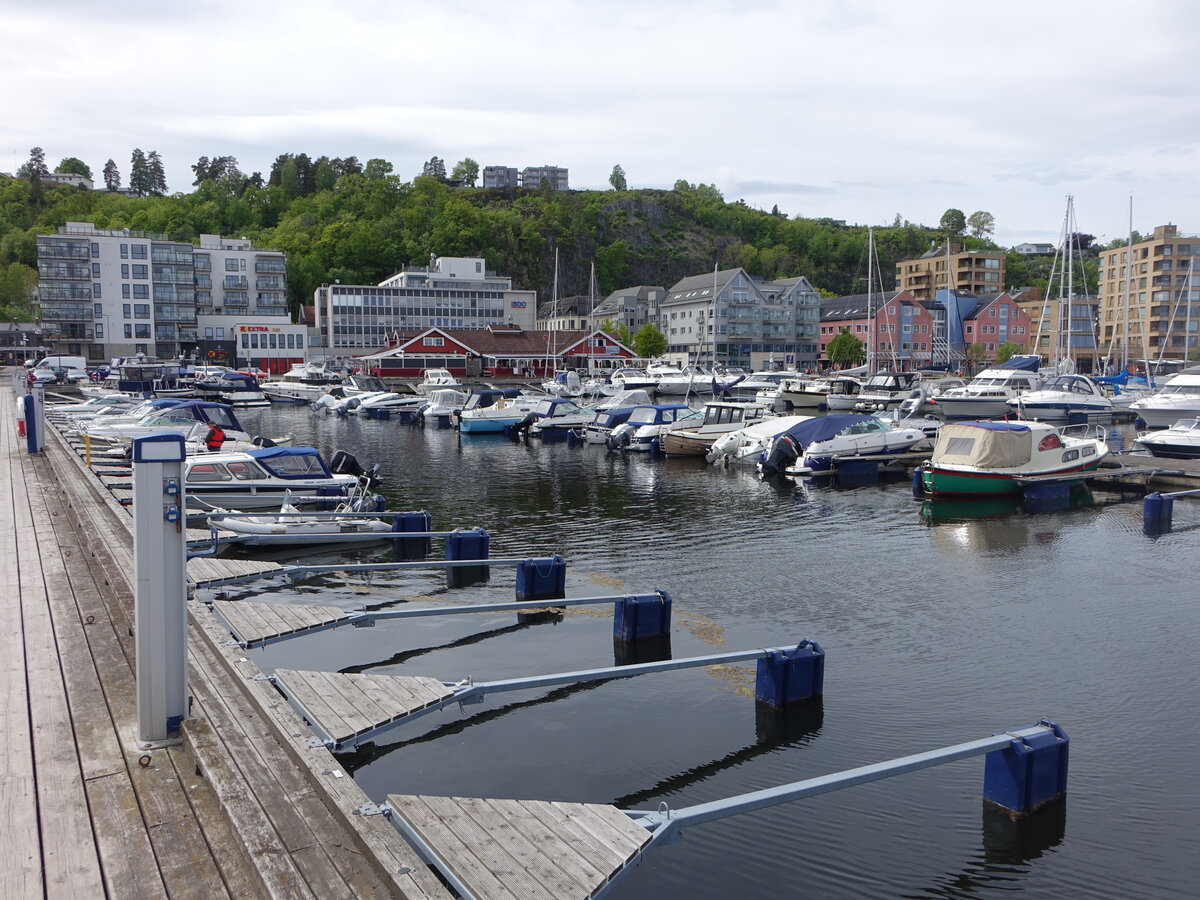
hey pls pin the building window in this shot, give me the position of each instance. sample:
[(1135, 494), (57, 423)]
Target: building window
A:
[(95, 270), (124, 292), (434, 342), (140, 271), (98, 310), (220, 333), (96, 289), (208, 333), (95, 250), (231, 265), (141, 332), (141, 310), (124, 251), (124, 270), (141, 292), (138, 251), (99, 332), (129, 332)]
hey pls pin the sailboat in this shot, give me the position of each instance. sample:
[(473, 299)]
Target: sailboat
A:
[(1067, 393)]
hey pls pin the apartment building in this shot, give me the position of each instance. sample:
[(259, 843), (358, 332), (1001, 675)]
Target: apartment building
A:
[(536, 176), (976, 272), (107, 293), (451, 292), (896, 329), (1063, 330), (501, 177), (730, 317), (632, 307), (1157, 293)]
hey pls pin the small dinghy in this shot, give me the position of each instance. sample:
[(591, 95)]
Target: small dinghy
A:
[(294, 527)]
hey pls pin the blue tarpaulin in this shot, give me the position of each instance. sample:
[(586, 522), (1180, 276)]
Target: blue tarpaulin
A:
[(822, 428)]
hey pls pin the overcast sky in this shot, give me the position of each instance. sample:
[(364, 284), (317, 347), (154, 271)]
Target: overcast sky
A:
[(851, 109)]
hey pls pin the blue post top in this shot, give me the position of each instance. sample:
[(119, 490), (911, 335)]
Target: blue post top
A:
[(159, 448)]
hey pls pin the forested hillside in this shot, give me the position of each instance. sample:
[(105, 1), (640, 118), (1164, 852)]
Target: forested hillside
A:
[(363, 226)]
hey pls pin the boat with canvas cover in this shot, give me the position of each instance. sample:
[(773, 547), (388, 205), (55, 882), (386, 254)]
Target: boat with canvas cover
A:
[(814, 444), (975, 458)]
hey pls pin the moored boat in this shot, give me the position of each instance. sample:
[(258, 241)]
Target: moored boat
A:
[(1180, 441), (986, 396), (993, 457), (720, 417), (1061, 397)]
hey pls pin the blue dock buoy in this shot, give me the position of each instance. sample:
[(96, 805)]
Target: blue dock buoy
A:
[(1157, 510), (918, 483), (1030, 772), (787, 676), (542, 579), (468, 544), (412, 521), (640, 616)]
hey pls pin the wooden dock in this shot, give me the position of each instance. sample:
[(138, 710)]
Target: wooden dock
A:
[(242, 808)]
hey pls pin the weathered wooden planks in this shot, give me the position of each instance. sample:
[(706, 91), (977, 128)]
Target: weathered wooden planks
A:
[(523, 849), (346, 705), (253, 622)]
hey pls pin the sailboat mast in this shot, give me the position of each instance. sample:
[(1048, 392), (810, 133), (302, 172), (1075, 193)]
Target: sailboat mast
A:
[(872, 329), (1128, 291), (714, 317)]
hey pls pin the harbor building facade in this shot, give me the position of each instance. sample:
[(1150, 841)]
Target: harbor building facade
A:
[(898, 331), (451, 292), (1163, 291), (729, 317), (107, 293), (976, 272), (634, 307)]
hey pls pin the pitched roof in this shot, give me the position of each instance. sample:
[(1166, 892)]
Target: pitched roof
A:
[(701, 285), (856, 306), (502, 341), (579, 305)]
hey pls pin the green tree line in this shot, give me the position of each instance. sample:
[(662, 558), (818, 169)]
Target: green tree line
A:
[(360, 222)]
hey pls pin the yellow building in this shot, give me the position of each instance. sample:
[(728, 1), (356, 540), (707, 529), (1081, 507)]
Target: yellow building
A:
[(1162, 285), (976, 272)]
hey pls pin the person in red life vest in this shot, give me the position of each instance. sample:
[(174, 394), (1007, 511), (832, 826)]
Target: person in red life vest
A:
[(216, 437)]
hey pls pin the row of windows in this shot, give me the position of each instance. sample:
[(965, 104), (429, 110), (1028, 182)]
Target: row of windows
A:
[(350, 297), (271, 341)]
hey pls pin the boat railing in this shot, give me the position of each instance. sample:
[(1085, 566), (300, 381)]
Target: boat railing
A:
[(1085, 430)]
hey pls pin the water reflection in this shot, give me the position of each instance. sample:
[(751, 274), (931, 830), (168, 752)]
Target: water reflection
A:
[(1008, 847)]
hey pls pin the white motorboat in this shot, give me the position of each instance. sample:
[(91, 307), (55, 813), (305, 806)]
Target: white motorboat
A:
[(554, 417), (491, 411), (760, 383), (843, 393), (748, 445), (261, 477), (442, 406), (1179, 398), (804, 392), (564, 384), (178, 418), (1180, 441), (720, 417), (883, 390), (633, 380), (643, 430), (301, 384), (1061, 397), (140, 378), (348, 521), (234, 388), (986, 396), (682, 382), (101, 404), (438, 379), (817, 443)]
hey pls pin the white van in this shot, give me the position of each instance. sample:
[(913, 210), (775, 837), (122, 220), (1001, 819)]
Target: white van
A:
[(63, 362)]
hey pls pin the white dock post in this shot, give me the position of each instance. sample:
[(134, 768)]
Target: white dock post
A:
[(159, 548)]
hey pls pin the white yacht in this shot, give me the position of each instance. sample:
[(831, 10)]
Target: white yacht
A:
[(986, 396), (720, 417), (438, 379), (1178, 399), (1061, 397), (1180, 441), (301, 384)]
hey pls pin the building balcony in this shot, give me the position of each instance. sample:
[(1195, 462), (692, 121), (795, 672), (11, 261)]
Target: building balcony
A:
[(269, 283), (233, 300), (270, 266), (57, 292), (64, 271), (63, 250), (236, 283)]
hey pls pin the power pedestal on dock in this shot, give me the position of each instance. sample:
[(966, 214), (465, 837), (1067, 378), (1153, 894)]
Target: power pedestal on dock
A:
[(160, 612)]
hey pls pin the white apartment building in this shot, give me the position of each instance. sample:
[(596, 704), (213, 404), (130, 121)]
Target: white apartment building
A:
[(451, 292), (733, 318), (118, 293)]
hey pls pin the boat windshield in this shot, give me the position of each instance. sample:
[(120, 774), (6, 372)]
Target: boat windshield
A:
[(296, 465), (723, 415), (648, 415)]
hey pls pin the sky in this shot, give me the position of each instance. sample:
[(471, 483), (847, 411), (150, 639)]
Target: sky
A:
[(858, 110)]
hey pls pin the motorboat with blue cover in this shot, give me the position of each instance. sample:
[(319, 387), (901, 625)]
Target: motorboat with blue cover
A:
[(643, 430), (179, 417), (816, 443), (234, 388)]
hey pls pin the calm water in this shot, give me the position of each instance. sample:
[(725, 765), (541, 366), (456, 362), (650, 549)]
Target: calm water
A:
[(938, 628)]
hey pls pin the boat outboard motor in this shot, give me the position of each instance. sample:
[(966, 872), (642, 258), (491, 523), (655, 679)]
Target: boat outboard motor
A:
[(520, 428), (619, 437), (260, 441), (784, 453), (344, 463)]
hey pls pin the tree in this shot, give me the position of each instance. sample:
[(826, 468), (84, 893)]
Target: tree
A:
[(845, 350), (158, 177), (466, 171), (624, 335), (139, 173), (325, 176), (975, 355), (617, 179), (953, 222), (981, 223), (35, 168), (435, 168), (1008, 350), (1078, 241), (376, 169), (649, 342), (74, 166), (112, 176)]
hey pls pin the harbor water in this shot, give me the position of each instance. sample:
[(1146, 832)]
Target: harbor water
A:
[(941, 624)]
